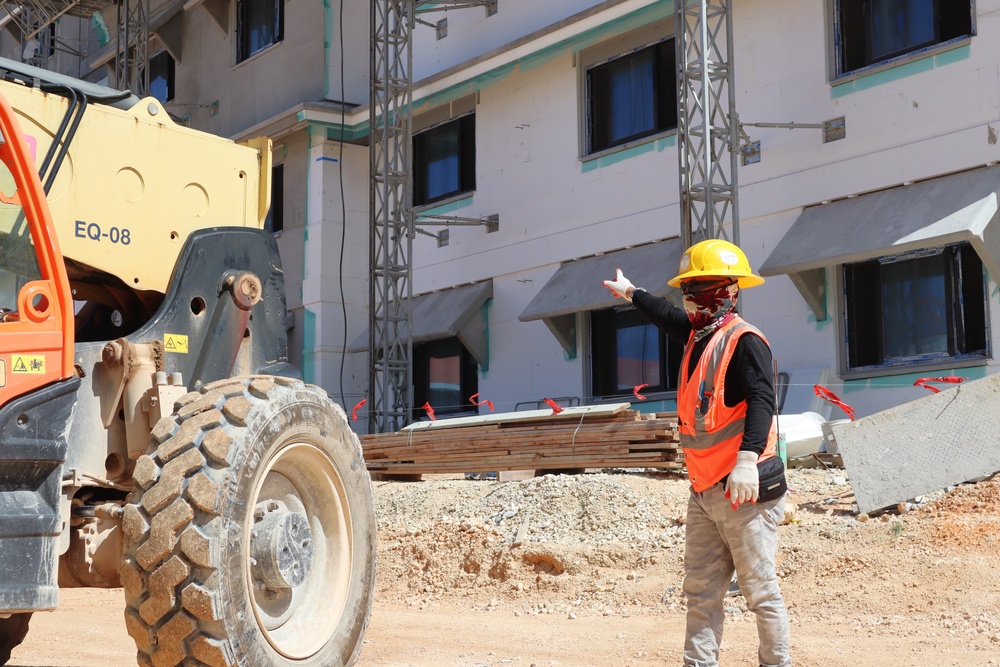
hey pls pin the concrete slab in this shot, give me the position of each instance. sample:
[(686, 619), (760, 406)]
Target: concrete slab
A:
[(924, 445)]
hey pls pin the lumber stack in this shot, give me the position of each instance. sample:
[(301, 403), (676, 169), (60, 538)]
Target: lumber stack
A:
[(576, 438)]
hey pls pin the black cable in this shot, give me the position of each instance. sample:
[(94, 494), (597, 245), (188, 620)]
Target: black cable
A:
[(343, 203)]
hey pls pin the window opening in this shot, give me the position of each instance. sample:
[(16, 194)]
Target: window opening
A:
[(875, 31), (444, 160), (275, 220), (632, 96), (161, 76), (916, 308), (259, 24), (626, 351), (445, 374)]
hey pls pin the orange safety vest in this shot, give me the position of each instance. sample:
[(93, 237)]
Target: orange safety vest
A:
[(711, 432)]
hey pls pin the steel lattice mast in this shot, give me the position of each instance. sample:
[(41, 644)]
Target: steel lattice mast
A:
[(707, 123), (390, 387), (132, 57)]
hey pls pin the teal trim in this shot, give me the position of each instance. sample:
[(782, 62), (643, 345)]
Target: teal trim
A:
[(484, 311), (336, 131), (309, 346), (666, 142), (446, 208), (901, 71), (907, 380), (953, 56), (996, 292), (828, 319), (618, 156), (575, 44), (820, 324)]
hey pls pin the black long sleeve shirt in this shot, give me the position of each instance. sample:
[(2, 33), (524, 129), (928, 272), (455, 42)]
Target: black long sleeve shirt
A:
[(750, 375)]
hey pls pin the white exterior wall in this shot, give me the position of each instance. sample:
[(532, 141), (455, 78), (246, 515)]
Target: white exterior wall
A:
[(471, 32), (256, 89), (911, 122)]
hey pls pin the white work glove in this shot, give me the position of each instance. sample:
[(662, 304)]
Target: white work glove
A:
[(743, 485), (620, 286)]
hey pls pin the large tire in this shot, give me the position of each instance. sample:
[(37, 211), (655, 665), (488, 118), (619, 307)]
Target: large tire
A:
[(13, 630), (250, 536)]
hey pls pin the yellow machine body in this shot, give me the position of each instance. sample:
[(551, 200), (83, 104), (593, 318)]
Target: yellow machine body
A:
[(135, 184)]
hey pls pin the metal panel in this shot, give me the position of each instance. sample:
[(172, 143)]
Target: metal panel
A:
[(443, 314), (578, 285), (959, 207)]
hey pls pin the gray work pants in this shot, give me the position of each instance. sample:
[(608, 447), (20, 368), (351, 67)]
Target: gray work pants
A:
[(719, 541)]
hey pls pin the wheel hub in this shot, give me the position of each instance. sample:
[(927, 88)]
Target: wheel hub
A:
[(282, 551)]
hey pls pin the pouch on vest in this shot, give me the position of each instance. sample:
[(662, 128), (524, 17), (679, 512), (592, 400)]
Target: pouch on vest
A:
[(773, 485)]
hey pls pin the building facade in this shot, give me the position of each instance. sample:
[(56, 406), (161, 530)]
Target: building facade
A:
[(554, 125)]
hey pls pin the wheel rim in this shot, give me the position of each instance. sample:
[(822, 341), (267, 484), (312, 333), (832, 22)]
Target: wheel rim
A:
[(298, 566)]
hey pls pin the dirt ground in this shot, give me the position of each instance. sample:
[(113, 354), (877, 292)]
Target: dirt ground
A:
[(585, 570)]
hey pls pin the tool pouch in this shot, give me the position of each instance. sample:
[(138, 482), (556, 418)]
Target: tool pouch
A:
[(771, 472)]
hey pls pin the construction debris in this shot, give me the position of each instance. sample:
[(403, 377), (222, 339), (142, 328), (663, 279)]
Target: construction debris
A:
[(586, 437), (922, 446)]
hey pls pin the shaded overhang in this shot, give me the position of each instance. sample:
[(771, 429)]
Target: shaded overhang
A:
[(577, 285), (457, 311), (936, 212)]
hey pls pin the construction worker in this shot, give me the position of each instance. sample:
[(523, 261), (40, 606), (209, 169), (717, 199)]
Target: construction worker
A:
[(725, 405)]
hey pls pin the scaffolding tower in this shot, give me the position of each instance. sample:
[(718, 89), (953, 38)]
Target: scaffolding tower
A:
[(391, 222), (34, 19), (707, 124)]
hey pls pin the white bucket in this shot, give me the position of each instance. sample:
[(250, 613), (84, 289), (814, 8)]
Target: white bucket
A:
[(829, 441)]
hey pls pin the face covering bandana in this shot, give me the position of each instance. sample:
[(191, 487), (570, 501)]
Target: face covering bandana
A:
[(706, 308)]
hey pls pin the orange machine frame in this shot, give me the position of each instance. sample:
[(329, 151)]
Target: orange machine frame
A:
[(36, 344)]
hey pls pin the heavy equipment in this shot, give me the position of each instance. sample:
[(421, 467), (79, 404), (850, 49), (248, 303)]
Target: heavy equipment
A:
[(153, 434)]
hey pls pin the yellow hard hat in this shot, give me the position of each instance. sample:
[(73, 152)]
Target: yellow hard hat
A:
[(715, 258)]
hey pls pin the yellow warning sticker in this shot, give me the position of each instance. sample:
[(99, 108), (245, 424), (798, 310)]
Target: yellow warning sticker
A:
[(3, 373), (175, 343), (33, 364)]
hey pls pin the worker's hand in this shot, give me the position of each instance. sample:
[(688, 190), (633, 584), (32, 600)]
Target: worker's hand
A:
[(620, 286), (743, 485)]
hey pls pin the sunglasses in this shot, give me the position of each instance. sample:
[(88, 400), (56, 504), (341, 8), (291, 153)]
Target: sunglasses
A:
[(697, 286)]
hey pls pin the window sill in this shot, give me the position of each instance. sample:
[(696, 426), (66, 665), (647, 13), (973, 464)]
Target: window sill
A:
[(898, 61), (430, 209), (629, 398), (915, 367), (259, 54), (624, 147)]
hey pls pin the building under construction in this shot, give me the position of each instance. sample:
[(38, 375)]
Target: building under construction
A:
[(524, 150)]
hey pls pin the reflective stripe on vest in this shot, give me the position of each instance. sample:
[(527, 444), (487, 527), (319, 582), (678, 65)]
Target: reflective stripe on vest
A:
[(710, 432)]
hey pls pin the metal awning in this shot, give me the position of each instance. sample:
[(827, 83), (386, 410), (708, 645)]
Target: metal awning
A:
[(935, 212), (457, 311), (577, 286)]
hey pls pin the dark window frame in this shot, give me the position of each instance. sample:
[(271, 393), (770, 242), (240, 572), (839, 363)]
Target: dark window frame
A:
[(854, 33), (468, 382), (599, 99), (275, 220), (170, 74), (244, 49), (465, 125), (966, 311), (604, 327)]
